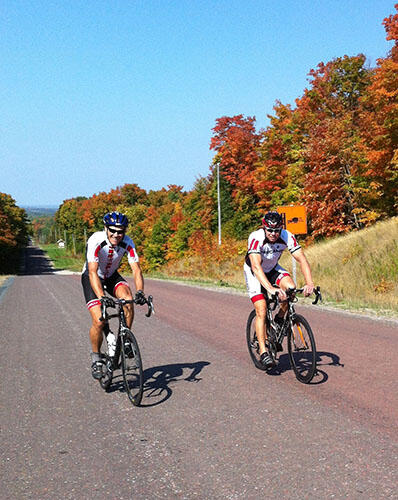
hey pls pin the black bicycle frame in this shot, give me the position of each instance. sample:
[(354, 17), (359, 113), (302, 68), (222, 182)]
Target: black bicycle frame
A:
[(122, 320), (122, 324), (272, 303)]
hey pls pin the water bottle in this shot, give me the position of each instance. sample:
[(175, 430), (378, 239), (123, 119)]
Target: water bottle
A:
[(111, 339)]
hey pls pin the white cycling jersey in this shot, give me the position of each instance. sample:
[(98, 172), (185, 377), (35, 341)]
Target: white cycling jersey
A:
[(270, 252), (99, 249)]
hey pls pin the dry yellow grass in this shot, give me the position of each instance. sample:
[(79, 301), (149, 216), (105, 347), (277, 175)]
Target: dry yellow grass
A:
[(3, 278), (357, 271), (361, 268)]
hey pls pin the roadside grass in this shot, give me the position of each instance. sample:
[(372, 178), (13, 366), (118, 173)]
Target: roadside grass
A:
[(357, 271), (199, 268), (4, 278), (62, 258)]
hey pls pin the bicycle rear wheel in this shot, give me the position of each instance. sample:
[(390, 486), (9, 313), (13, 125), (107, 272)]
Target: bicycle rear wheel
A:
[(302, 350), (132, 370), (252, 342)]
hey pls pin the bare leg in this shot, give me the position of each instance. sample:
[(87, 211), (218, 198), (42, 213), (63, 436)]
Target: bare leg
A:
[(96, 329), (260, 307), (285, 284), (124, 292)]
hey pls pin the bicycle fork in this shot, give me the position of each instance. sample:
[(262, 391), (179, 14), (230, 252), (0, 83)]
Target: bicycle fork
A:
[(299, 342)]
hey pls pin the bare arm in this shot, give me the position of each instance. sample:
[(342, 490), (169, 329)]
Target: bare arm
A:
[(137, 275), (255, 260), (306, 270)]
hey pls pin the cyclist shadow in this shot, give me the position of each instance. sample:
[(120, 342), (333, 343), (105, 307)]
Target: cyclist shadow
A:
[(323, 359), (157, 380)]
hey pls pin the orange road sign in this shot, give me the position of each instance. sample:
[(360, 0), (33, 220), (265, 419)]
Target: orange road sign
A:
[(294, 218)]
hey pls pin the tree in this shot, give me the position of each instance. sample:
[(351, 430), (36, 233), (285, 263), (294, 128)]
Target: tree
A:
[(14, 232), (333, 158), (236, 142), (379, 130), (279, 176)]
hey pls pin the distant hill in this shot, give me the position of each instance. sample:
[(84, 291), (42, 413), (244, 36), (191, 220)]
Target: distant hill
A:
[(40, 211)]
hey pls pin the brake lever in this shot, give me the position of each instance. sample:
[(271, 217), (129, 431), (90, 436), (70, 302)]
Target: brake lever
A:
[(318, 295), (151, 309), (274, 301), (103, 311)]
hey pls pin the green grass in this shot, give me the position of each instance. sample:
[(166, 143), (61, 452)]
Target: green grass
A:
[(62, 258)]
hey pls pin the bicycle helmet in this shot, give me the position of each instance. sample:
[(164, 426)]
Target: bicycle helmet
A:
[(273, 220), (115, 219)]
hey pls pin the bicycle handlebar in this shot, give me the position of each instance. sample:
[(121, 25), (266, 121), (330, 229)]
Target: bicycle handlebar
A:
[(111, 302), (291, 292)]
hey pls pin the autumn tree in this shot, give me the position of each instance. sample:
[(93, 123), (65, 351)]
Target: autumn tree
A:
[(333, 159), (236, 142), (14, 230), (279, 176), (379, 130)]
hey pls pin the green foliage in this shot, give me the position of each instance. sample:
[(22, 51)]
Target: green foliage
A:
[(14, 232), (62, 258), (155, 248), (43, 227)]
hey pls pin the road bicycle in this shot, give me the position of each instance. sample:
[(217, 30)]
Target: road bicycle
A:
[(122, 351), (300, 339)]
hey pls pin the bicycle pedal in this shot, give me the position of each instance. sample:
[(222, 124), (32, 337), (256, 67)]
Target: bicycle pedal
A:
[(276, 363)]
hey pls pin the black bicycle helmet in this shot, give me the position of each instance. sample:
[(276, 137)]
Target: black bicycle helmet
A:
[(273, 220), (115, 219)]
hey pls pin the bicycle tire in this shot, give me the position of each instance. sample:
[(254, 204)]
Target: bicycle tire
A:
[(252, 342), (106, 380), (302, 350), (133, 373)]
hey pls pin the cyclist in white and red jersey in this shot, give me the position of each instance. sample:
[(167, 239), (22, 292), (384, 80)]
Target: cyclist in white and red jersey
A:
[(262, 272), (104, 252)]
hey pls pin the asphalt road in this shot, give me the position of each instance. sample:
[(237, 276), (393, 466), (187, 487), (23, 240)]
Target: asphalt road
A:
[(211, 425)]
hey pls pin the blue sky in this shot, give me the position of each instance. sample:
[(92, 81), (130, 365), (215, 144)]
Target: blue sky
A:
[(96, 94)]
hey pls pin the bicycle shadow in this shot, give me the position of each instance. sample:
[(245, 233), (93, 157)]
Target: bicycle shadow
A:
[(323, 359), (157, 380)]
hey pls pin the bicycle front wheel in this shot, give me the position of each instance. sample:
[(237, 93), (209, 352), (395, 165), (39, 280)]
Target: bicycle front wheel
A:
[(302, 350), (107, 370), (133, 374), (252, 342)]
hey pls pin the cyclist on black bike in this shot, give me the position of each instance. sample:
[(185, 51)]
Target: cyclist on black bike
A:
[(104, 252), (262, 272)]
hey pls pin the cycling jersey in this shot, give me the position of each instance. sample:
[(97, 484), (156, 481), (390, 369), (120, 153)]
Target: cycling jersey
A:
[(270, 252), (108, 257)]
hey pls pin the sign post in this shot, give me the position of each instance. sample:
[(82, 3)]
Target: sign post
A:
[(295, 221)]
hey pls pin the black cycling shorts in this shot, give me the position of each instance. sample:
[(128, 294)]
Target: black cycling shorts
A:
[(109, 284)]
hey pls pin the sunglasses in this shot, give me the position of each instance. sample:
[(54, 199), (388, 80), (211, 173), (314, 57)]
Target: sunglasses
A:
[(273, 231), (116, 231)]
